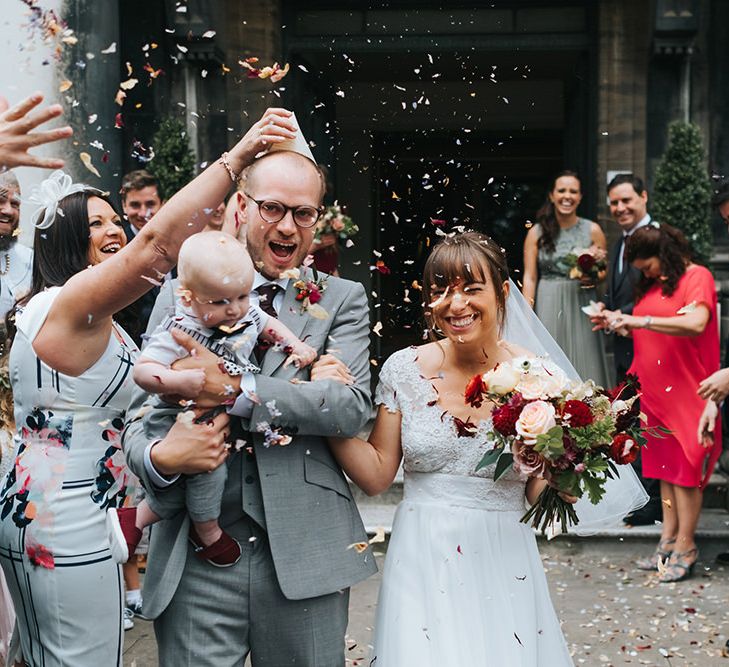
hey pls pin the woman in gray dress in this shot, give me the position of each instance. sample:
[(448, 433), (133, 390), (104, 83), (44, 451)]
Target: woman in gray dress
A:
[(557, 297)]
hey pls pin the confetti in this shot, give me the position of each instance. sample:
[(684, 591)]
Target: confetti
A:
[(64, 86), (86, 160)]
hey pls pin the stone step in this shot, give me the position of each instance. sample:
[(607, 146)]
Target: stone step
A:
[(716, 494), (712, 534)]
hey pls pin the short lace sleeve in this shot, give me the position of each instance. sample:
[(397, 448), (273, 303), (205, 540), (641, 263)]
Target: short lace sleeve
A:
[(386, 392)]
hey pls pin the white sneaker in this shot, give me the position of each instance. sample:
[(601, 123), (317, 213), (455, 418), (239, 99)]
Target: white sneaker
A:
[(127, 619)]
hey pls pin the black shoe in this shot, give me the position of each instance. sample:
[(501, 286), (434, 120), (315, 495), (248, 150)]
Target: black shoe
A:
[(645, 516), (722, 558)]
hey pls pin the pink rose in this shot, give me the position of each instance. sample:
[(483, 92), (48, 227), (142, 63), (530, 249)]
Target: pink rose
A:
[(535, 419), (337, 225), (527, 462)]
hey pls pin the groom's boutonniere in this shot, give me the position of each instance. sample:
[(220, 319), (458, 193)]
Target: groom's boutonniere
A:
[(309, 291)]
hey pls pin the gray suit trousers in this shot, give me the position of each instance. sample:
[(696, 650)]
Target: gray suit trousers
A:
[(248, 613)]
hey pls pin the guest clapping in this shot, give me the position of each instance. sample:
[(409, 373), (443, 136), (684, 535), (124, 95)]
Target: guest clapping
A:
[(551, 281), (676, 341)]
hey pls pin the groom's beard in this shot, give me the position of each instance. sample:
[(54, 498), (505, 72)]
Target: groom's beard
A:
[(7, 241)]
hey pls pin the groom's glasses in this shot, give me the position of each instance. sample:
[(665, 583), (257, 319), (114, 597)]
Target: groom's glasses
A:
[(273, 211)]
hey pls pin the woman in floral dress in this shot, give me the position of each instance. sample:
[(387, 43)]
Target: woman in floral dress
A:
[(71, 371)]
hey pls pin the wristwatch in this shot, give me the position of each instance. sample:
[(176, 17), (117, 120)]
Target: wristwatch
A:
[(647, 322)]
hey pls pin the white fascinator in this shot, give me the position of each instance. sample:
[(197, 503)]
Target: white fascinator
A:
[(50, 192)]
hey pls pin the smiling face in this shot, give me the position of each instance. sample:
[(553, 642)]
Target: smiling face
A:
[(627, 207), (292, 180), (9, 209), (566, 195), (140, 205), (650, 267), (106, 235), (467, 310)]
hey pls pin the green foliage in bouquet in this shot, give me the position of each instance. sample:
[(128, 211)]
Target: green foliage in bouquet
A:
[(174, 162), (682, 190)]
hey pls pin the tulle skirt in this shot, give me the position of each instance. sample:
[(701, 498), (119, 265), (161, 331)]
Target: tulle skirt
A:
[(463, 583)]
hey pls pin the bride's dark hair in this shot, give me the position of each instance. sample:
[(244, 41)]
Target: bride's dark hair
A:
[(470, 257)]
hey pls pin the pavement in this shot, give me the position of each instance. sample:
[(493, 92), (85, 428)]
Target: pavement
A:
[(612, 614)]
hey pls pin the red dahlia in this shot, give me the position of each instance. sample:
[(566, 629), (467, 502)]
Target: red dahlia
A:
[(586, 262), (578, 413), (624, 448), (505, 417)]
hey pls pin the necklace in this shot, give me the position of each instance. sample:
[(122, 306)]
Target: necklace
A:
[(4, 272)]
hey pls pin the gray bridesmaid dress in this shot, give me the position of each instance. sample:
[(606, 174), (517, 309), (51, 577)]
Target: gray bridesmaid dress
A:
[(558, 303)]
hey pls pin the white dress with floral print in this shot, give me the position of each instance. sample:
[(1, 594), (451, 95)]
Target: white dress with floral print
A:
[(69, 470)]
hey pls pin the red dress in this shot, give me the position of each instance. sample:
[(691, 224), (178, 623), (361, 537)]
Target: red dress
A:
[(670, 369)]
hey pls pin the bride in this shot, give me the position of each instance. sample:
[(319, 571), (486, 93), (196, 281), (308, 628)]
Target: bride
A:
[(463, 582)]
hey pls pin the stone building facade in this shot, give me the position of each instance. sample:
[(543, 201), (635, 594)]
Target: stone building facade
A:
[(421, 111)]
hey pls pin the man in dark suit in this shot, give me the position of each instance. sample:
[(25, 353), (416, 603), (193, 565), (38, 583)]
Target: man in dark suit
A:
[(628, 201), (141, 198)]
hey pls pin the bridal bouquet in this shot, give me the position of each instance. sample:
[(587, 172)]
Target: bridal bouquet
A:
[(571, 434), (335, 221), (586, 264)]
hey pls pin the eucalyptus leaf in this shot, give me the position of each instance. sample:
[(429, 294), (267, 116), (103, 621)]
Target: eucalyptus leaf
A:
[(490, 457), (503, 465)]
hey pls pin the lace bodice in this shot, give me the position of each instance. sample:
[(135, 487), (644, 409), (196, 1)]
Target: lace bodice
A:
[(430, 443), (552, 264)]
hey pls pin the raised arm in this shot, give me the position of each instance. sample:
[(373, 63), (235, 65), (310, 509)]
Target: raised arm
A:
[(16, 136), (531, 251), (82, 311)]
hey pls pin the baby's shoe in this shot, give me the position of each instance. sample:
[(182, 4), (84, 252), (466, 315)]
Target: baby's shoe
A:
[(122, 533), (223, 553)]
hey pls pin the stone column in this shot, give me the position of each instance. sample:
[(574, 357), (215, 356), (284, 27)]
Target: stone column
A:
[(625, 30)]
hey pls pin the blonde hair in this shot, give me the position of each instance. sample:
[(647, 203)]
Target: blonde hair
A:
[(209, 259)]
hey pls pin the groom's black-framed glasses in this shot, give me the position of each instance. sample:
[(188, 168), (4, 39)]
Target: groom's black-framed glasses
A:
[(273, 211)]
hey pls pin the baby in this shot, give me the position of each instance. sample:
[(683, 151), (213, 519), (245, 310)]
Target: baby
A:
[(216, 276)]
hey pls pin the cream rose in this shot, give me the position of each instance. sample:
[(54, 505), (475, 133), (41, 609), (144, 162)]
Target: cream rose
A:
[(531, 386), (502, 379), (535, 419)]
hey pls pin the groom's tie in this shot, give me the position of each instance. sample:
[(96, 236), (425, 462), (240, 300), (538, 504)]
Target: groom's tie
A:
[(266, 294), (251, 486)]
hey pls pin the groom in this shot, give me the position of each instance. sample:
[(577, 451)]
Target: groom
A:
[(286, 600)]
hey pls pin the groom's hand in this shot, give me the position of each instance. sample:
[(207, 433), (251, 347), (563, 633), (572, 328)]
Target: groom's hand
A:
[(219, 387)]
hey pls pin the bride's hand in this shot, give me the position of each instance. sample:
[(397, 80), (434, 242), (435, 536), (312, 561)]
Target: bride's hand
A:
[(568, 498), (328, 367)]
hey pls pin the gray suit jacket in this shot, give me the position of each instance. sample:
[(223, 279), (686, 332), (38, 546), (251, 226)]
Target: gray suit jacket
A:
[(311, 518)]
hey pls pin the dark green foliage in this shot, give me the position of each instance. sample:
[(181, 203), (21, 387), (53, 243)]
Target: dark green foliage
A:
[(174, 162), (682, 190)]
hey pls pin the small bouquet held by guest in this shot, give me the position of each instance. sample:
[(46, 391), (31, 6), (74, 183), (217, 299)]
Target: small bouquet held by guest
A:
[(570, 434), (335, 221), (588, 265)]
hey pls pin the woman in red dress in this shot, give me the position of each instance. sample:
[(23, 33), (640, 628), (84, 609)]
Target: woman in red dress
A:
[(676, 339)]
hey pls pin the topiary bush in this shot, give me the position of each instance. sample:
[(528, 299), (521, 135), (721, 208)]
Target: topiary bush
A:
[(682, 190), (174, 162)]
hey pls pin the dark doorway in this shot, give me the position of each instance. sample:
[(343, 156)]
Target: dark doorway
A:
[(426, 189)]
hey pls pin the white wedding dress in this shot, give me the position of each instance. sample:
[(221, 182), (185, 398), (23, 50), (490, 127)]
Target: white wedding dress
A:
[(463, 583)]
